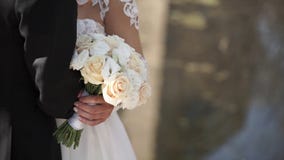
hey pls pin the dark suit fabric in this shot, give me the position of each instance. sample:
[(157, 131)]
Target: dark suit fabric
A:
[(37, 40)]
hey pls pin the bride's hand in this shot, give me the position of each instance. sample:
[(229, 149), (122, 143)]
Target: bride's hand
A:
[(92, 110)]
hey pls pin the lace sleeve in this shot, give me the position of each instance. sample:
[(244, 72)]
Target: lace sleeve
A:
[(122, 19), (104, 6), (130, 9)]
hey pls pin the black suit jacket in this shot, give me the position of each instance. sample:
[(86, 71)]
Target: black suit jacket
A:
[(37, 39)]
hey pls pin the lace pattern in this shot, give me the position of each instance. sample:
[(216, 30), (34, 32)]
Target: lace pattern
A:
[(104, 6), (130, 9), (89, 26)]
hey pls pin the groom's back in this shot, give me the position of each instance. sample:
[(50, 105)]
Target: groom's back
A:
[(34, 74), (15, 79), (18, 102)]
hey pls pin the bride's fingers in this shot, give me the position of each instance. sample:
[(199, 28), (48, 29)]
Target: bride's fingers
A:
[(104, 108), (86, 107), (84, 114), (94, 109), (92, 99), (91, 122), (91, 116)]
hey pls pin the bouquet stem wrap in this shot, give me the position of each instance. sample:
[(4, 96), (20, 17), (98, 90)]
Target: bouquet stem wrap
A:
[(69, 133)]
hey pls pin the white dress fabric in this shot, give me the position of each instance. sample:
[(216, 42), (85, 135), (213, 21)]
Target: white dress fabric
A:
[(108, 140)]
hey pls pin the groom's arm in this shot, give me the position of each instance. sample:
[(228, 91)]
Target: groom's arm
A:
[(48, 28)]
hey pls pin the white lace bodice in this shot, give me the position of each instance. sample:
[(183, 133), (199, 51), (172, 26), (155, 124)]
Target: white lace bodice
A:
[(130, 9), (89, 26)]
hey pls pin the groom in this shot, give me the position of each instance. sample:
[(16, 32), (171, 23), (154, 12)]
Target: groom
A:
[(37, 40)]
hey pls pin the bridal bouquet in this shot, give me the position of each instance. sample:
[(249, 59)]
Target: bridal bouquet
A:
[(111, 68)]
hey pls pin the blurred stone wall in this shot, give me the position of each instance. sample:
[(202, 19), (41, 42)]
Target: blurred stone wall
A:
[(222, 93)]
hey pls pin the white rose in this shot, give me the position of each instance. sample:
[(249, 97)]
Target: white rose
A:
[(114, 41), (81, 39), (138, 64), (122, 53), (117, 38), (93, 68), (78, 60), (135, 79), (97, 36), (131, 101), (84, 42), (116, 88), (110, 68), (144, 93), (99, 48)]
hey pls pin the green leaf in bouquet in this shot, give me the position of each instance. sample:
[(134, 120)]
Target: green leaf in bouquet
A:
[(67, 135), (93, 89)]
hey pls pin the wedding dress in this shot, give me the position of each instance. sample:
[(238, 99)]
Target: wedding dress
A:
[(108, 140)]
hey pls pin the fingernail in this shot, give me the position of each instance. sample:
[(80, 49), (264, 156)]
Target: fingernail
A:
[(79, 94), (75, 109)]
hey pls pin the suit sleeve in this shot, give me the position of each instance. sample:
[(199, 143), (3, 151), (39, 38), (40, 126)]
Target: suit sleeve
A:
[(48, 28)]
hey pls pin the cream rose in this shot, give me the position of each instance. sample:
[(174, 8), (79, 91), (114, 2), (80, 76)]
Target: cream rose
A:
[(137, 63), (116, 88), (131, 101), (93, 68), (144, 93)]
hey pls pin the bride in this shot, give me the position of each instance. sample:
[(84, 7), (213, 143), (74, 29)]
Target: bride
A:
[(105, 140)]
